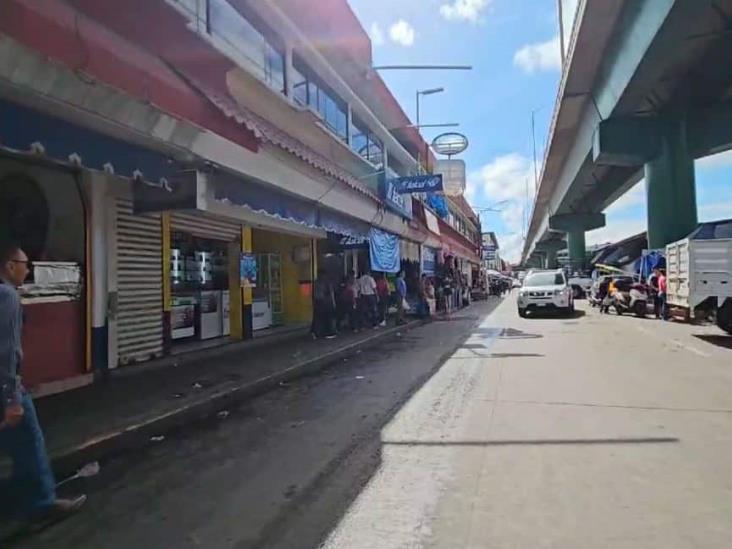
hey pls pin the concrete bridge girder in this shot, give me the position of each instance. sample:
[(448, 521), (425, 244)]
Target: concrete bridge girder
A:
[(636, 59)]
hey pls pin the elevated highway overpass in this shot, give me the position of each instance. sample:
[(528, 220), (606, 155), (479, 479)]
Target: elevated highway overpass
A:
[(646, 88)]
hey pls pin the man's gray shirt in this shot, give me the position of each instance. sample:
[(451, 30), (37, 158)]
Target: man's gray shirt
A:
[(11, 352)]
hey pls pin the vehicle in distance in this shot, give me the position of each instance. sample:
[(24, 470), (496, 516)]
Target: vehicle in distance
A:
[(545, 291)]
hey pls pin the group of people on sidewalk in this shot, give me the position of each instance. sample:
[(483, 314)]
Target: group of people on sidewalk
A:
[(356, 303), (445, 294)]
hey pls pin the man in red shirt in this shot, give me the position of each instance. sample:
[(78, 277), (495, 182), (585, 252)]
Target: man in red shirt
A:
[(662, 293)]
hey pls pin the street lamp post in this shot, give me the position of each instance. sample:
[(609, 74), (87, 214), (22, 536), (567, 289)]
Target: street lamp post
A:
[(431, 91)]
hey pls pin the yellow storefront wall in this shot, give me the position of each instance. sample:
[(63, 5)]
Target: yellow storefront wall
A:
[(297, 304)]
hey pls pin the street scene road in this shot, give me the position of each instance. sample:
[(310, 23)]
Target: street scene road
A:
[(484, 431), (365, 274)]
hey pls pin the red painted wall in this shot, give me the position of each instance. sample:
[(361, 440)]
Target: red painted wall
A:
[(53, 341)]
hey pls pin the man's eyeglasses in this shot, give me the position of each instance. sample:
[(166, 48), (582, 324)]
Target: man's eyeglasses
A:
[(27, 262)]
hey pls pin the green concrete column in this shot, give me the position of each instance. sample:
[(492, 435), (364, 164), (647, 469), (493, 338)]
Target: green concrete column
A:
[(551, 258), (577, 248), (671, 187)]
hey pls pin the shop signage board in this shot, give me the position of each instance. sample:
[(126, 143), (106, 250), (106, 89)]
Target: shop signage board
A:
[(399, 203), (418, 184), (353, 242), (179, 192), (453, 175), (248, 270)]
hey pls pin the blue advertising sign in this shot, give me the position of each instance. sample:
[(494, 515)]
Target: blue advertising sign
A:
[(248, 270), (418, 184), (401, 204)]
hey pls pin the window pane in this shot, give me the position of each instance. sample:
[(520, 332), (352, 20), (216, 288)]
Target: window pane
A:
[(330, 112), (322, 102), (376, 152), (313, 95), (276, 66), (299, 87), (342, 123), (229, 25), (359, 141)]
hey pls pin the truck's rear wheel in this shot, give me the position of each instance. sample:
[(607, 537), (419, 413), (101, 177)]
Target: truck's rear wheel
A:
[(724, 316)]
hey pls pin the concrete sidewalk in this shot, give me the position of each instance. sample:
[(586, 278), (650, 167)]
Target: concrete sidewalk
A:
[(139, 402)]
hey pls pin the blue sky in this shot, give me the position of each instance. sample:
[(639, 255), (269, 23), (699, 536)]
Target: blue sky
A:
[(513, 48)]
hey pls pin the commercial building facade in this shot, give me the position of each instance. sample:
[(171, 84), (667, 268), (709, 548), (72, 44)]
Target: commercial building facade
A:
[(187, 184)]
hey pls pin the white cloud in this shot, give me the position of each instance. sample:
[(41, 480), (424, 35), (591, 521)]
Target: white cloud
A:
[(504, 179), (541, 56), (466, 10), (402, 33), (634, 197), (715, 211), (616, 230), (716, 161), (376, 34), (511, 247)]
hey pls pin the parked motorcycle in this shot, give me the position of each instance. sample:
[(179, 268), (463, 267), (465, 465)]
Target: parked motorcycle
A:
[(630, 297)]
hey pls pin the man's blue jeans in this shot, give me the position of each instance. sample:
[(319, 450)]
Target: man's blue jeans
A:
[(32, 488)]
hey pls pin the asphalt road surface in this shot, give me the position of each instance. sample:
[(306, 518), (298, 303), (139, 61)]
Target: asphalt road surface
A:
[(484, 431)]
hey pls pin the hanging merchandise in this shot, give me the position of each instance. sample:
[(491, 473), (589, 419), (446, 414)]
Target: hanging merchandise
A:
[(384, 249)]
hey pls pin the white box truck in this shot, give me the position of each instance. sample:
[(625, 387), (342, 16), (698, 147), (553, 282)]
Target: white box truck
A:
[(699, 278)]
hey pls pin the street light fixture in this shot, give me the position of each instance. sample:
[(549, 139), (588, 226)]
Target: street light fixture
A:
[(492, 208)]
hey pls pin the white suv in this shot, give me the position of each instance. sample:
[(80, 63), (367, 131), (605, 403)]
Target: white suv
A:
[(544, 291)]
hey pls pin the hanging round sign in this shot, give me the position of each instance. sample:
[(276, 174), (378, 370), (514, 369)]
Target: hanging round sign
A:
[(450, 143)]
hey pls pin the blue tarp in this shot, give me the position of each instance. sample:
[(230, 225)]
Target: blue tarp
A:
[(384, 251), (438, 203), (651, 259)]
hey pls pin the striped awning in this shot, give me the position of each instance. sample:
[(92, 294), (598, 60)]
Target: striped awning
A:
[(266, 132)]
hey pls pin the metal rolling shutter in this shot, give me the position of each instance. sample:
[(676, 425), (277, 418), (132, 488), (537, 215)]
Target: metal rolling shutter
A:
[(205, 226), (140, 288)]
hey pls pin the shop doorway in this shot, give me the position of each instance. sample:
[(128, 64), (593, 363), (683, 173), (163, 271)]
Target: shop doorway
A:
[(199, 283), (42, 211), (281, 297)]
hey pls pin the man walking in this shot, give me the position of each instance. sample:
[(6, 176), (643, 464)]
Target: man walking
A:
[(401, 296), (323, 308), (383, 294), (31, 490), (367, 301), (662, 294)]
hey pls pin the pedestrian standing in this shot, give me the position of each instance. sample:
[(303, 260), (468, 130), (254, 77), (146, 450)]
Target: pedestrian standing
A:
[(383, 295), (653, 285), (347, 303), (324, 307), (31, 490), (662, 294), (447, 293), (401, 296), (367, 299)]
